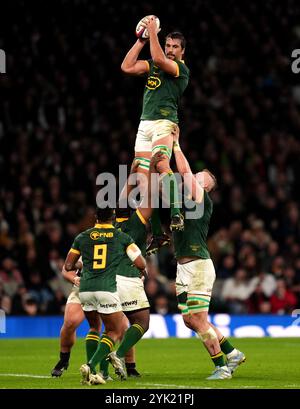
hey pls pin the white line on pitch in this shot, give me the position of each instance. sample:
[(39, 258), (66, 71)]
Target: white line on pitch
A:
[(174, 385), (25, 375)]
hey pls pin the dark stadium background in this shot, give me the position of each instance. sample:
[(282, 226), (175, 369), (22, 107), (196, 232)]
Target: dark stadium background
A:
[(67, 114)]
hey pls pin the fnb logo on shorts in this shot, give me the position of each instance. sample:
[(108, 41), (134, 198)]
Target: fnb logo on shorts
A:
[(2, 62), (108, 305), (2, 322)]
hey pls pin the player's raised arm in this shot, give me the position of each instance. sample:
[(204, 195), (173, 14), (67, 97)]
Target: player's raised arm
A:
[(184, 169), (128, 187), (157, 54), (131, 65)]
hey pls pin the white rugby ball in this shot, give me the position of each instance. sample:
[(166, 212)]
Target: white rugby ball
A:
[(141, 31)]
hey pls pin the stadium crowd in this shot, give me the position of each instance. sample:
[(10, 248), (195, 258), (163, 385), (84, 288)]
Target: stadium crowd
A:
[(67, 114)]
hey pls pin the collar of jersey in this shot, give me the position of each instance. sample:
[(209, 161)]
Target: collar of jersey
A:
[(121, 219), (104, 226)]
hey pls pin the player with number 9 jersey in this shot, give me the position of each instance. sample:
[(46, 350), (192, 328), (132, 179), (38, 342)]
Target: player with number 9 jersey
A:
[(102, 248)]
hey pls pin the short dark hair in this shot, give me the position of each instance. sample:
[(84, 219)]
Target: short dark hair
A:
[(123, 212), (105, 213), (213, 177), (177, 35)]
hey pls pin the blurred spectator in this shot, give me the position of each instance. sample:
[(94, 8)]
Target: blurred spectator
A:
[(226, 267), (236, 291), (30, 306), (258, 302), (161, 304), (5, 300), (57, 305), (283, 301), (10, 276), (39, 292), (265, 281)]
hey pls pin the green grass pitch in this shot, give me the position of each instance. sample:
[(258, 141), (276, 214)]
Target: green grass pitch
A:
[(164, 363)]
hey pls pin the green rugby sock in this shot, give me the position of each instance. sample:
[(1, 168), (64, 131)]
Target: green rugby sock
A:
[(170, 185), (155, 223), (104, 364), (104, 367), (226, 346), (105, 346), (218, 359), (91, 344), (131, 337)]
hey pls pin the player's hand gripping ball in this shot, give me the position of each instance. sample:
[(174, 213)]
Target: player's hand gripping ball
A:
[(141, 30)]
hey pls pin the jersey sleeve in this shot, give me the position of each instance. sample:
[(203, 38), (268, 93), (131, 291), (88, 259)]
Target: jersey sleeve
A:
[(125, 240), (148, 64), (183, 70), (75, 248)]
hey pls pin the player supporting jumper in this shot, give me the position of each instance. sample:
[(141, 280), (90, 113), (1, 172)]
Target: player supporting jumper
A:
[(167, 79), (102, 249), (195, 270), (130, 286)]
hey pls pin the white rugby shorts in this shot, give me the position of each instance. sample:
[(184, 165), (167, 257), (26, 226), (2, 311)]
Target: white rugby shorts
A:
[(102, 301), (132, 293), (149, 132)]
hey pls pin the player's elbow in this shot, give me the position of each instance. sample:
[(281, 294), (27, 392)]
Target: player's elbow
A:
[(125, 68)]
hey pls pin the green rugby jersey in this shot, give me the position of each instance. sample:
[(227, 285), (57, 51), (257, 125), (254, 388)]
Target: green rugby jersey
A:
[(135, 226), (192, 240), (102, 248), (162, 92)]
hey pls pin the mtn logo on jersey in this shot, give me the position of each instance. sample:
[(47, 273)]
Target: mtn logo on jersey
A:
[(153, 82), (95, 235)]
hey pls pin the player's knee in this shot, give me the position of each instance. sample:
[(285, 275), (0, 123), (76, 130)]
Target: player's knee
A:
[(141, 319), (196, 322), (144, 324), (121, 329), (187, 321), (71, 325)]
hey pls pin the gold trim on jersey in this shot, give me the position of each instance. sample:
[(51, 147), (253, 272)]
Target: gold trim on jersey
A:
[(148, 65), (121, 219), (140, 216), (104, 226), (177, 70), (74, 251)]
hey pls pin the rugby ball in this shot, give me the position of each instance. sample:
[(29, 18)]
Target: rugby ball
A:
[(141, 30)]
